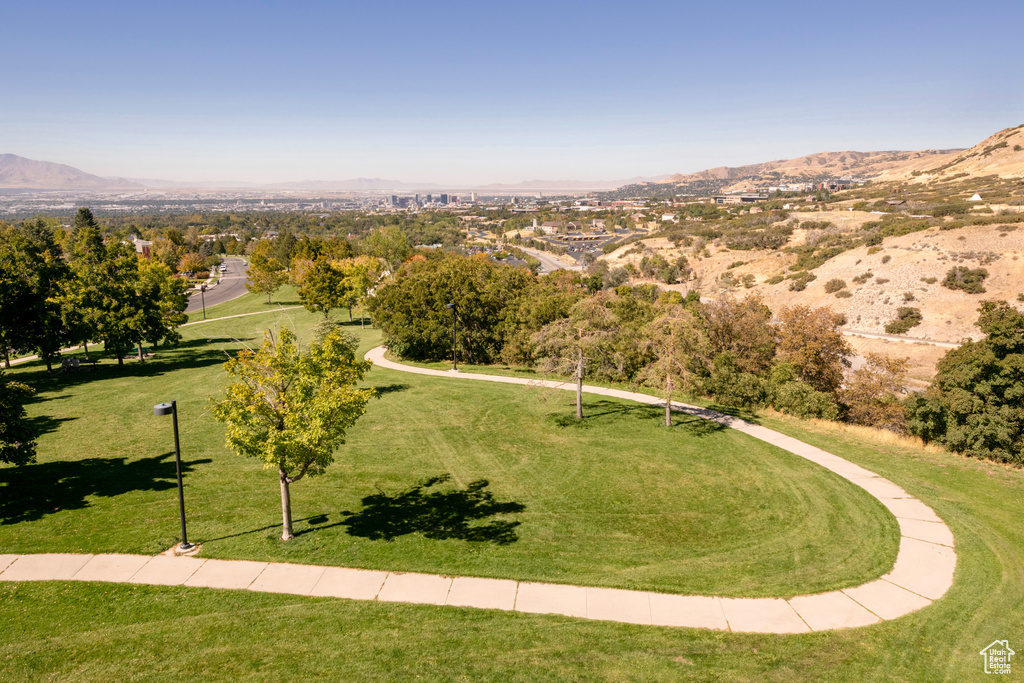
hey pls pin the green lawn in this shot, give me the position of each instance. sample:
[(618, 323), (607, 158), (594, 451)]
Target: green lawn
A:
[(285, 297), (619, 502)]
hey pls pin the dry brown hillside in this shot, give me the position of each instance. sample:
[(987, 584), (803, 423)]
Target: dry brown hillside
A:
[(999, 155), (824, 164), (901, 271)]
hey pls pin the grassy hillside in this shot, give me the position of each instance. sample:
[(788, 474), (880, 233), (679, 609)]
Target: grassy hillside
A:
[(619, 502)]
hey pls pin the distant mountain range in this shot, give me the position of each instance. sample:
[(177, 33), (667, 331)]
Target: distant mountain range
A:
[(1001, 154), (21, 173)]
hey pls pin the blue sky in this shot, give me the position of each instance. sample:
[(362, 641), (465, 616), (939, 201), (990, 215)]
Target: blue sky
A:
[(472, 93)]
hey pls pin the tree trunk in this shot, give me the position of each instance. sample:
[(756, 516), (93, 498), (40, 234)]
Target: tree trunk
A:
[(668, 401), (120, 360), (579, 386), (85, 346), (49, 362), (286, 508), (7, 358), (140, 352), (350, 314)]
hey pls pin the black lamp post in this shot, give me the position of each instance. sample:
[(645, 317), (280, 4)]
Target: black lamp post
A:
[(455, 316), (172, 410), (202, 293)]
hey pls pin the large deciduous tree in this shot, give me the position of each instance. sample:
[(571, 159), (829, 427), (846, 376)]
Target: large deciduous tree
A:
[(812, 343), (118, 300), (291, 408), (975, 406), (411, 309), (873, 392)]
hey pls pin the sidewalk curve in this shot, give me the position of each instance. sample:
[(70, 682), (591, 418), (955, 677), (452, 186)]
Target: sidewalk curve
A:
[(923, 571)]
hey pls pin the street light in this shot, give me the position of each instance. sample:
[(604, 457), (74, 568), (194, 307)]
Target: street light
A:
[(202, 293), (172, 410), (454, 308)]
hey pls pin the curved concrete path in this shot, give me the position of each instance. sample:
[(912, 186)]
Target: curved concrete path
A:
[(923, 571)]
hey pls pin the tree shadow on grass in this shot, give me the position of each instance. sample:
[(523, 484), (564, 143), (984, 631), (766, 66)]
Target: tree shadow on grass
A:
[(44, 424), (436, 514), (187, 355), (593, 411), (694, 425), (30, 492), (391, 388)]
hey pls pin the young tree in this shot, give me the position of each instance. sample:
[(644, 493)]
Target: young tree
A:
[(811, 341), (677, 341), (291, 409), (322, 288), (266, 273), (361, 274), (17, 439), (575, 344)]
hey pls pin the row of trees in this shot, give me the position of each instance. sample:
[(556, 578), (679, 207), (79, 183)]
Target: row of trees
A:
[(99, 291), (735, 351)]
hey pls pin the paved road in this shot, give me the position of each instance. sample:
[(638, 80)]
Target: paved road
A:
[(232, 286), (549, 263)]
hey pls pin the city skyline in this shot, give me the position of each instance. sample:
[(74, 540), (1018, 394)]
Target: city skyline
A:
[(461, 95)]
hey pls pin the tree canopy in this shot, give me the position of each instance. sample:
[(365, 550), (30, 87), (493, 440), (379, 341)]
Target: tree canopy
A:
[(291, 408), (975, 406)]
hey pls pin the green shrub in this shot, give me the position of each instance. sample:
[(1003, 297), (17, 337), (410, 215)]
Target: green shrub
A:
[(789, 395), (881, 280), (951, 209), (844, 294), (800, 281), (874, 250), (906, 318), (886, 258), (735, 264), (965, 279), (863, 277), (834, 285), (775, 279), (908, 296), (929, 280)]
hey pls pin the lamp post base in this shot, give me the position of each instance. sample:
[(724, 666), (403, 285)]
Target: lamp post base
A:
[(184, 549)]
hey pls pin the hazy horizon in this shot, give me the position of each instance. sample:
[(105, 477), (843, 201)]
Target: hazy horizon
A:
[(458, 94)]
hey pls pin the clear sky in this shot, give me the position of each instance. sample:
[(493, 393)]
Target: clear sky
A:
[(472, 93)]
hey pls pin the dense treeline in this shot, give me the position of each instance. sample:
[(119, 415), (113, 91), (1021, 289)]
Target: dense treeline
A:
[(737, 352), (68, 288), (975, 406), (91, 289)]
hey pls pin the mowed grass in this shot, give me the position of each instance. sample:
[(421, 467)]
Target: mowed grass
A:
[(423, 426), (285, 297), (618, 501)]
